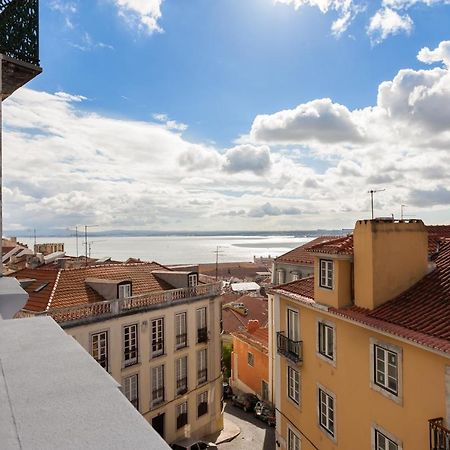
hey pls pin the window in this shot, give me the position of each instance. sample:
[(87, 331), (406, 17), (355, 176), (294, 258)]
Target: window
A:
[(281, 275), (124, 290), (326, 412), (326, 273), (157, 385), (181, 415), (326, 340), (130, 345), (295, 276), (386, 369), (130, 389), (157, 337), (293, 440), (99, 348), (382, 442), (250, 359), (293, 385), (181, 375), (192, 280), (180, 330), (202, 331), (292, 325), (202, 374), (264, 390), (202, 403)]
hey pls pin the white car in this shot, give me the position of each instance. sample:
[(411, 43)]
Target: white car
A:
[(193, 444)]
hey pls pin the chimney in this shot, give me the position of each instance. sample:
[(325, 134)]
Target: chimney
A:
[(252, 325), (389, 257)]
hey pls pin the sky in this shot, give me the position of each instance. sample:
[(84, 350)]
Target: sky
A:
[(221, 115)]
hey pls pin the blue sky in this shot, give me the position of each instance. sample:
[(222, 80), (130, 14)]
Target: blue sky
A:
[(195, 78)]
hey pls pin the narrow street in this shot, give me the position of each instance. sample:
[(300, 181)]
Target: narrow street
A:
[(255, 434)]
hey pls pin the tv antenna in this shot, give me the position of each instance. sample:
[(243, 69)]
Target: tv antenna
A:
[(217, 252), (402, 207), (371, 192), (86, 244)]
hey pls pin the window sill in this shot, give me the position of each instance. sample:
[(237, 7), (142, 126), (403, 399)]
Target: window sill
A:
[(152, 358), (326, 433), (328, 360), (131, 366), (394, 397), (181, 348)]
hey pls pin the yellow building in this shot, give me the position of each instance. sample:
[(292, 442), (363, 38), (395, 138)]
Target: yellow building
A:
[(155, 330), (360, 352)]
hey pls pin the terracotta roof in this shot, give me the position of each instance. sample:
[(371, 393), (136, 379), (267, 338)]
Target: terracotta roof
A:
[(339, 246), (439, 230), (257, 310), (420, 314), (258, 338), (67, 287), (303, 287), (300, 255)]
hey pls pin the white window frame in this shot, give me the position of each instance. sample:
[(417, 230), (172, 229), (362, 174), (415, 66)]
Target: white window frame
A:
[(295, 276), (130, 387), (293, 324), (325, 278), (326, 412), (124, 290), (379, 432), (157, 378), (192, 280), (250, 359), (281, 276), (157, 337), (182, 408), (375, 383), (293, 440), (130, 334), (202, 398), (95, 339), (293, 384), (201, 317), (181, 329), (323, 341), (202, 364), (181, 373)]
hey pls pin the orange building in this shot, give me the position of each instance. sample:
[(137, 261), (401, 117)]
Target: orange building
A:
[(250, 361)]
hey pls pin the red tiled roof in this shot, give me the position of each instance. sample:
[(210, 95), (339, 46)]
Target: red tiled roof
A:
[(439, 230), (300, 255), (420, 314), (258, 338), (340, 246), (67, 287), (303, 287), (257, 310)]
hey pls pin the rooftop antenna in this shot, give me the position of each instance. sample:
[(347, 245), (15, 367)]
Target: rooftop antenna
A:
[(76, 237), (34, 234), (217, 252), (402, 207), (86, 241), (371, 192)]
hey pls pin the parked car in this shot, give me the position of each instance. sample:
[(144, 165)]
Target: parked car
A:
[(245, 401), (227, 390), (266, 413), (193, 444)]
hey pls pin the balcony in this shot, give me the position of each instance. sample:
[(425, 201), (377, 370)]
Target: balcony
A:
[(181, 340), (158, 396), (182, 386), (202, 335), (181, 420), (111, 308), (439, 435), (292, 350), (202, 376)]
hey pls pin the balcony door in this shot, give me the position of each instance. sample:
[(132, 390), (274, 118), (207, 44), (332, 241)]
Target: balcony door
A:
[(293, 332), (158, 424)]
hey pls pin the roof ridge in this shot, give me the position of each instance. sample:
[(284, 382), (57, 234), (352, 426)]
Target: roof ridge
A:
[(121, 264), (52, 294)]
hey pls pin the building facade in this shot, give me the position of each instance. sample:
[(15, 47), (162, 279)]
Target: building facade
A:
[(156, 331), (361, 350)]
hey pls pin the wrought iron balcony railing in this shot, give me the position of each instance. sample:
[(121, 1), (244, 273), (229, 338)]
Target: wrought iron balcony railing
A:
[(289, 348), (181, 420), (158, 396), (181, 340), (439, 435), (202, 376), (19, 30), (202, 335), (182, 386)]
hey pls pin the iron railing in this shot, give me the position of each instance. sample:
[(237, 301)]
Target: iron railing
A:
[(181, 420), (181, 340), (158, 396), (182, 386), (115, 307), (19, 30), (202, 408), (202, 376), (292, 350), (439, 435), (202, 335)]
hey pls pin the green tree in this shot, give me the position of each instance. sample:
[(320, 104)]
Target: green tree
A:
[(226, 360)]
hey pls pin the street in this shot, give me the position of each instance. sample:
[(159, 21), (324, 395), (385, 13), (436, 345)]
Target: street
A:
[(255, 434)]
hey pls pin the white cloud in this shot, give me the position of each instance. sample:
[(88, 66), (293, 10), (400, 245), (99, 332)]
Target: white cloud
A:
[(387, 22), (439, 54), (143, 13), (248, 158)]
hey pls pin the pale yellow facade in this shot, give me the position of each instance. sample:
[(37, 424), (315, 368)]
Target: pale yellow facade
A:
[(363, 413), (209, 422)]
